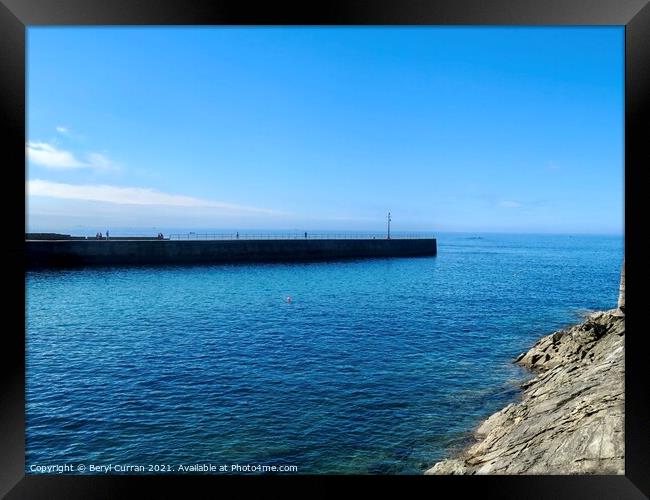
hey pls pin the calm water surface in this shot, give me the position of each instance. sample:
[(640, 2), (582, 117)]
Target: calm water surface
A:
[(375, 366)]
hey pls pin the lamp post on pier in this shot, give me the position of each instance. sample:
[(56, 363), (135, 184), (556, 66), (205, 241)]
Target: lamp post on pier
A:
[(389, 219)]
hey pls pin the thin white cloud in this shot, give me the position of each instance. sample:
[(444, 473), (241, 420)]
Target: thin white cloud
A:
[(50, 156), (132, 196), (47, 155), (62, 130), (100, 161), (509, 204)]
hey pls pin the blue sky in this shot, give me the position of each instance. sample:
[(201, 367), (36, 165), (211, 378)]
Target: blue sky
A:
[(452, 129)]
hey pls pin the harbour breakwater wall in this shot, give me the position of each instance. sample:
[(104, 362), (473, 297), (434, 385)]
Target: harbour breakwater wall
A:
[(66, 253)]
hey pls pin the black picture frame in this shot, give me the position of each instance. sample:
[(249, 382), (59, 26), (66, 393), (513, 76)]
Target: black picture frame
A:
[(17, 15)]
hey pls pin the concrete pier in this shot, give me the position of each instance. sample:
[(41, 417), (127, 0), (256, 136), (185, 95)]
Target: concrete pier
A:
[(66, 253)]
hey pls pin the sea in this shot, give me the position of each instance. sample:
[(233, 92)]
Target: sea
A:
[(375, 366)]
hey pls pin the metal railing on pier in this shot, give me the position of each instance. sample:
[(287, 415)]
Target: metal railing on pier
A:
[(297, 236)]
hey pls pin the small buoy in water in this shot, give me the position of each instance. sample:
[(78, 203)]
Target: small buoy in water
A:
[(289, 299)]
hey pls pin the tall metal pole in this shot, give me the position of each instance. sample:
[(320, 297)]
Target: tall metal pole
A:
[(388, 225), (621, 292)]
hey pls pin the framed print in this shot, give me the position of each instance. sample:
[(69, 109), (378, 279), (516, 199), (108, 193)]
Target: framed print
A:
[(279, 244)]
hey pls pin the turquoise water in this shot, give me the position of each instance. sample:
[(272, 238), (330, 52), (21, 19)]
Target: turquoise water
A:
[(375, 366)]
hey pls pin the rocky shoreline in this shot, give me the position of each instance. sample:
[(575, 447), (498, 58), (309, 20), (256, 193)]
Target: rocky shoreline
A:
[(570, 418)]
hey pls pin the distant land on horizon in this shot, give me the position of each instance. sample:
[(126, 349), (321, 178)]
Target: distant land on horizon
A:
[(128, 231)]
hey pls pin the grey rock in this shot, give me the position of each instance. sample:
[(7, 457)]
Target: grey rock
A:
[(570, 417)]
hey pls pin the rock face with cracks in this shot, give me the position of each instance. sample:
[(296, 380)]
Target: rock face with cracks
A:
[(571, 414)]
